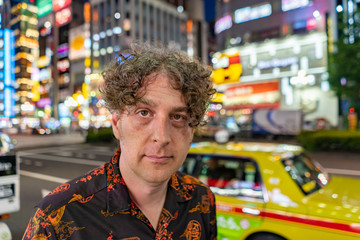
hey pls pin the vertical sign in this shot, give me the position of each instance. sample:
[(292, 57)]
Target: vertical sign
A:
[(9, 74)]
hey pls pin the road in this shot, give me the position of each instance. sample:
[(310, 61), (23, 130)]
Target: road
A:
[(44, 168)]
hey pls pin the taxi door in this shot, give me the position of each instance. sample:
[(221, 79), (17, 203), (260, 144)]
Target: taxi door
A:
[(238, 189)]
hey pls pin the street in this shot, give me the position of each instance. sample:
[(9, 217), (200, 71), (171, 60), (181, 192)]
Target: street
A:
[(43, 168)]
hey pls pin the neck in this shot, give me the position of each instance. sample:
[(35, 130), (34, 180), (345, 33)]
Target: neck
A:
[(149, 197)]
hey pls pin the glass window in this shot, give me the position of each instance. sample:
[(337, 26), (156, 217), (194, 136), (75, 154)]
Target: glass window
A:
[(307, 173), (151, 13), (159, 17), (108, 8), (228, 176), (171, 27)]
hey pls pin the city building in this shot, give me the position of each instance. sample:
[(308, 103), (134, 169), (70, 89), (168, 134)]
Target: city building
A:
[(23, 21), (61, 48), (115, 24), (274, 54)]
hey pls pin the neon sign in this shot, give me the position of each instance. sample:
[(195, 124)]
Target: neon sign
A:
[(287, 5), (251, 13), (44, 7), (223, 24), (59, 4), (8, 39), (255, 95), (227, 68), (64, 16), (276, 62), (63, 65)]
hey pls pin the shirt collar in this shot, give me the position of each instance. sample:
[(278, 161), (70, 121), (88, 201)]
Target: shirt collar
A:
[(118, 198)]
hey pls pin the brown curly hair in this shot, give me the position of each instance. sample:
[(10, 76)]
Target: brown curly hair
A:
[(124, 78)]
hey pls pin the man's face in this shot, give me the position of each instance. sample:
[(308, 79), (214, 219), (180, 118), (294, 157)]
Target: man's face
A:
[(154, 135)]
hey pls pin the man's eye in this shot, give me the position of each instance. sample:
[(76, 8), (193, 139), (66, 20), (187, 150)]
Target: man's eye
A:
[(144, 113), (178, 117)]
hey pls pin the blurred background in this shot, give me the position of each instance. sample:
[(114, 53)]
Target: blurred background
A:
[(295, 58), (284, 70)]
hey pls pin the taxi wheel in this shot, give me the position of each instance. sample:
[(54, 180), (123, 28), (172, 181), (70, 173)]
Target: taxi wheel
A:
[(266, 236)]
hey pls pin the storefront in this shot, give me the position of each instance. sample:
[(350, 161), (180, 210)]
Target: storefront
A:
[(287, 74)]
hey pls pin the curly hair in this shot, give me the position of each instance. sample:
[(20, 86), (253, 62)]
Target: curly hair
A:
[(124, 78)]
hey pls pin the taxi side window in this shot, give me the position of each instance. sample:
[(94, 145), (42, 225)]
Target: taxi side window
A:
[(226, 176), (189, 165)]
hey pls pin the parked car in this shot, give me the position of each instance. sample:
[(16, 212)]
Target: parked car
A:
[(6, 144), (9, 183), (41, 130), (275, 192)]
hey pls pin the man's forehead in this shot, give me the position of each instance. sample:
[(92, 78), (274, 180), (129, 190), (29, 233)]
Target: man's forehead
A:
[(156, 76)]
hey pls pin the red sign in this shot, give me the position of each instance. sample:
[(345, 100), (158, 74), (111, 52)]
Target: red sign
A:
[(59, 4), (253, 95), (63, 65), (64, 16)]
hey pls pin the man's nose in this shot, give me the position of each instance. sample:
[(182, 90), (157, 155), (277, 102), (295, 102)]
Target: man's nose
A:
[(161, 130)]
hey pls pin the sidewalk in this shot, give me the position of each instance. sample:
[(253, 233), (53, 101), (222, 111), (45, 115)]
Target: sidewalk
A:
[(25, 141)]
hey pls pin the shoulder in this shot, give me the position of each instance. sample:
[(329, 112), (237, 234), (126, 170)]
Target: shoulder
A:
[(191, 188), (190, 183), (188, 179), (78, 189)]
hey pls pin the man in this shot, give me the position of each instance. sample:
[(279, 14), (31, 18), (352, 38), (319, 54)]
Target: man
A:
[(156, 97)]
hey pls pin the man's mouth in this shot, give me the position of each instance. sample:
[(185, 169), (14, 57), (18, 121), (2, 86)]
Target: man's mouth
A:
[(159, 158)]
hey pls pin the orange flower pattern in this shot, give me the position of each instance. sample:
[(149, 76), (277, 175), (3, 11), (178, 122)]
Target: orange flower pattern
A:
[(98, 206)]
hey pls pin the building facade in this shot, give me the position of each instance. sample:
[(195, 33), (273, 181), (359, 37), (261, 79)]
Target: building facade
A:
[(61, 48), (24, 24), (279, 49), (115, 24)]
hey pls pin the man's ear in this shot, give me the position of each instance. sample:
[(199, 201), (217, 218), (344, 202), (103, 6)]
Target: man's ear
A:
[(115, 118)]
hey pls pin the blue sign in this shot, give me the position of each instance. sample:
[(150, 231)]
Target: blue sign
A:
[(7, 70)]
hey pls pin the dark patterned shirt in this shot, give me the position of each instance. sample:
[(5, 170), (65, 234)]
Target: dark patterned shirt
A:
[(98, 206)]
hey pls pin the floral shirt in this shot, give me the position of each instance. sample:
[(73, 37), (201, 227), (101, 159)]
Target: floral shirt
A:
[(98, 206)]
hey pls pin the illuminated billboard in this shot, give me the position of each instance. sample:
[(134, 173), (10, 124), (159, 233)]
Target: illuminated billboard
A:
[(77, 40), (59, 4), (7, 72), (287, 5), (63, 16), (227, 67), (44, 7), (253, 95), (223, 24), (251, 13)]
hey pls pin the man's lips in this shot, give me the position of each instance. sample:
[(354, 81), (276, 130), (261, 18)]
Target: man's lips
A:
[(159, 158)]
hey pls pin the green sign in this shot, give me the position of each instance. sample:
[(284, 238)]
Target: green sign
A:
[(44, 7)]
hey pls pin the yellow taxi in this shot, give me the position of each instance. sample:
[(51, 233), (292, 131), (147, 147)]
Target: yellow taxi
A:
[(268, 191)]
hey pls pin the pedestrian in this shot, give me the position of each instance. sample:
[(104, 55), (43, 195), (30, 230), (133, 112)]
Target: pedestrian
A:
[(156, 97)]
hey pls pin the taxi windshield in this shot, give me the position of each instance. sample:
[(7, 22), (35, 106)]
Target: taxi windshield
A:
[(307, 173)]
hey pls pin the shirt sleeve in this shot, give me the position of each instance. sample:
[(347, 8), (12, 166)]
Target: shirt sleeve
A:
[(39, 227)]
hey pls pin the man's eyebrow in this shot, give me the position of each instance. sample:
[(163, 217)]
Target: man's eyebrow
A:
[(146, 102), (151, 103), (180, 109)]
